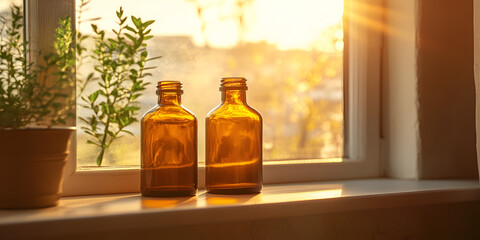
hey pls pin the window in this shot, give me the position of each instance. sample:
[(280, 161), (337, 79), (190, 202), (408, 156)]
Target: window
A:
[(292, 55), (305, 120)]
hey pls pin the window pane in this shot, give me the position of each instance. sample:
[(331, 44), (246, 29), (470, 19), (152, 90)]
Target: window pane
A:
[(6, 4), (291, 52)]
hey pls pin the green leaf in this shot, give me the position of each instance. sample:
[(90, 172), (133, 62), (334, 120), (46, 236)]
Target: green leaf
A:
[(93, 123), (92, 97), (153, 58), (135, 96), (132, 38), (85, 128), (90, 76), (111, 134), (94, 143), (131, 108), (147, 23), (130, 29), (103, 106), (137, 22), (128, 132), (84, 120), (111, 109), (119, 13), (115, 92), (122, 20), (146, 75)]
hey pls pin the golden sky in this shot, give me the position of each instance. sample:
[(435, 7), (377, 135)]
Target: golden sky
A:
[(289, 24), (5, 4)]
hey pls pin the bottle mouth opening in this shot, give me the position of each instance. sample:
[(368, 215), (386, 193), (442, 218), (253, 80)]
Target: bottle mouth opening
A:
[(233, 83), (169, 86)]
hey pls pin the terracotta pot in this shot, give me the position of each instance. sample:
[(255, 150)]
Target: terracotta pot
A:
[(31, 166)]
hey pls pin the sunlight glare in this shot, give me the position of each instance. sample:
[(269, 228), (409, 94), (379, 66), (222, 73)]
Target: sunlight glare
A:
[(286, 23), (310, 195)]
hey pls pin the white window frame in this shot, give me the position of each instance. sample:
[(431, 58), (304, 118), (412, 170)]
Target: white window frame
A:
[(362, 96)]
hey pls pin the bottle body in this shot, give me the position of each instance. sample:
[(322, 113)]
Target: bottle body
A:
[(169, 149), (233, 144)]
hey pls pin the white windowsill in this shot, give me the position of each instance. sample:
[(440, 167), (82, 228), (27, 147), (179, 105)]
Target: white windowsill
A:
[(90, 214)]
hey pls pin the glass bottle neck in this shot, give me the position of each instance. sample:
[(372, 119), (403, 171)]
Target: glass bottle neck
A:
[(169, 98), (234, 96)]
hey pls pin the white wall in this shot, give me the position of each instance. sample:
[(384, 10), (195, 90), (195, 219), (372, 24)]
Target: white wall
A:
[(400, 119), (446, 93), (429, 98)]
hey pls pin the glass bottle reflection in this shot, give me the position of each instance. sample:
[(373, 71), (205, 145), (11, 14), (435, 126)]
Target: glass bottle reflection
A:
[(169, 145), (233, 142)]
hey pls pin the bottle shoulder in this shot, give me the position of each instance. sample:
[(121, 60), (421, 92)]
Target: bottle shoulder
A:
[(228, 111), (169, 113)]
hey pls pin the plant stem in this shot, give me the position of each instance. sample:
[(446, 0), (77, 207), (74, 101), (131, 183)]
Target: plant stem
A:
[(100, 157), (102, 143)]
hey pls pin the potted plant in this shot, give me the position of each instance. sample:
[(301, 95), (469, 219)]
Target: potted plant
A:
[(34, 100)]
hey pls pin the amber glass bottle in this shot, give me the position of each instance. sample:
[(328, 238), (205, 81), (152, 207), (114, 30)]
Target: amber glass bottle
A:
[(233, 142), (169, 145)]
